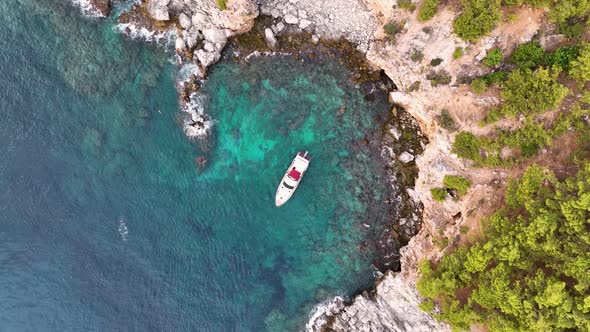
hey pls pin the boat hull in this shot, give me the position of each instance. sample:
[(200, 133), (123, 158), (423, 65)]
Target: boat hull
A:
[(292, 178)]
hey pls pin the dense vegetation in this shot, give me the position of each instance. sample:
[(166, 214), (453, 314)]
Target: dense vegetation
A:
[(479, 17), (529, 268), (528, 92), (530, 272), (522, 143), (531, 88), (580, 67)]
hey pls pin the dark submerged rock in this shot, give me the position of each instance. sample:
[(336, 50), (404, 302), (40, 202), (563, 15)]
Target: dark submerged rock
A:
[(102, 6)]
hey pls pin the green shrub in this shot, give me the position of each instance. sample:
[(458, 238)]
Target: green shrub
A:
[(580, 67), (478, 18), (467, 146), (446, 121), (529, 55), (417, 56), (463, 229), (493, 58), (585, 98), (479, 85), (563, 57), (393, 28), (572, 30), (435, 62), (458, 52), (406, 4), (441, 243), (426, 306), (457, 183), (531, 262), (414, 87), (222, 4), (438, 194), (427, 10), (441, 77), (496, 78)]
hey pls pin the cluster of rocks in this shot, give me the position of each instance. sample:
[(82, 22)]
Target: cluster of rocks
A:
[(329, 19), (391, 307), (202, 26)]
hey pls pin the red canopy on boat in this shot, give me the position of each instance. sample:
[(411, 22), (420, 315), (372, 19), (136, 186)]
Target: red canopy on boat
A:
[(294, 174)]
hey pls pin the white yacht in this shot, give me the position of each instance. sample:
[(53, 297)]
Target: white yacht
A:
[(292, 178)]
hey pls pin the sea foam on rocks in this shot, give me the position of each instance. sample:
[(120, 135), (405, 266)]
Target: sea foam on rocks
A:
[(166, 37), (197, 124), (88, 8)]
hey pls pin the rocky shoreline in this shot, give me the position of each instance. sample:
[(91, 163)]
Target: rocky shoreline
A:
[(202, 29)]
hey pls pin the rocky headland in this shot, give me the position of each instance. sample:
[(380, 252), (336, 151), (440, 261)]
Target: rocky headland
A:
[(202, 28)]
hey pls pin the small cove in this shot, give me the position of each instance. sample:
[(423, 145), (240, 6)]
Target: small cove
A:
[(91, 140)]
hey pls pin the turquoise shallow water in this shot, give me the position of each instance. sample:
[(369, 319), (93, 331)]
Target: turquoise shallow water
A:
[(107, 224)]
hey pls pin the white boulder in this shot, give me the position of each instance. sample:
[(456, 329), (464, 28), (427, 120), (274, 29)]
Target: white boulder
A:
[(215, 35), (271, 41), (291, 19), (405, 157), (184, 21)]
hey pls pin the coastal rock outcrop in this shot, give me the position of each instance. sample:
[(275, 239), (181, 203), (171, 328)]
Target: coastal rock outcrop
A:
[(158, 9), (391, 307), (199, 30)]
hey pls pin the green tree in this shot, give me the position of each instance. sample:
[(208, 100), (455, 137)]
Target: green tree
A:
[(562, 10), (529, 55), (580, 67), (466, 145), (493, 58), (530, 92), (478, 18)]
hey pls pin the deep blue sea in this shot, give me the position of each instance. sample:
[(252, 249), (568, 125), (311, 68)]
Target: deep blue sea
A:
[(106, 222)]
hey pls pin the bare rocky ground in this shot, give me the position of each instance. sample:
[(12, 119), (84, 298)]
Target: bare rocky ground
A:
[(202, 29)]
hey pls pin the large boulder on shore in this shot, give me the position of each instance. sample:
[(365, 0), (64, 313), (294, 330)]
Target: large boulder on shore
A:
[(158, 9)]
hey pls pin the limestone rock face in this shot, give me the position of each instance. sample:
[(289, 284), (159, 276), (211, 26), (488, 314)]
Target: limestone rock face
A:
[(184, 21), (392, 307), (158, 9), (215, 35)]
